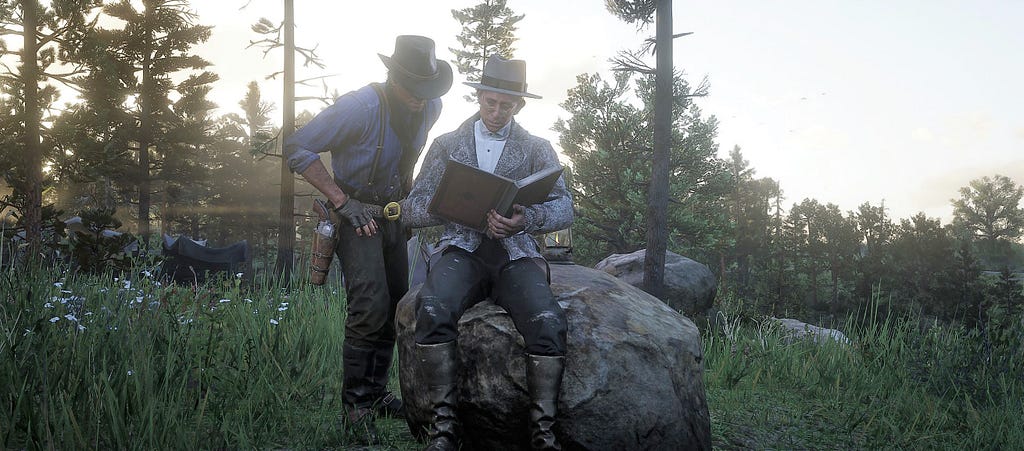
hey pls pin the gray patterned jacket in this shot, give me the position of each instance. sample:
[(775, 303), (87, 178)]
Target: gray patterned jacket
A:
[(523, 155)]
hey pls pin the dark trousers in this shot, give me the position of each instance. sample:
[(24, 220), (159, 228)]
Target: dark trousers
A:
[(461, 279), (376, 271)]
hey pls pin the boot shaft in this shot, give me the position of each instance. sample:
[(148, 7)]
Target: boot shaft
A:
[(438, 367), (544, 381)]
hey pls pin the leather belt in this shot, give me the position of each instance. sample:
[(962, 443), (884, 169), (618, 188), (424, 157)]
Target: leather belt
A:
[(392, 211)]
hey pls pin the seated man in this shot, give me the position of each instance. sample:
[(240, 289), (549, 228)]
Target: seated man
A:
[(502, 263)]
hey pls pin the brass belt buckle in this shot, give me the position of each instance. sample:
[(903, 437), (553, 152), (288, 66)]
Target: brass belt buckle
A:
[(392, 211)]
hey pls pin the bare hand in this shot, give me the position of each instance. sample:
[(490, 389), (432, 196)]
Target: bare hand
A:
[(499, 227)]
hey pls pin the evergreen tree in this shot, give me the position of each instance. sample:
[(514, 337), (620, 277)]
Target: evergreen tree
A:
[(875, 261), (488, 28), (642, 12), (609, 141), (50, 34), (150, 51), (923, 257)]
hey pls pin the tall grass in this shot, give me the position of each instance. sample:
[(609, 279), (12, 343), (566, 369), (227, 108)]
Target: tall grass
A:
[(105, 362), (894, 386), (102, 362)]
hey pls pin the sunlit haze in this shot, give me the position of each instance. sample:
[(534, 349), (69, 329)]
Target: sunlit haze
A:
[(843, 102)]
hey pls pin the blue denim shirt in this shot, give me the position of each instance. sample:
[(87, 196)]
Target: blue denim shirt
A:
[(349, 130)]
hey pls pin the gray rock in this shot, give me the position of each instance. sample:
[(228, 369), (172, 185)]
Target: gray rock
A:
[(793, 330), (633, 376), (690, 286)]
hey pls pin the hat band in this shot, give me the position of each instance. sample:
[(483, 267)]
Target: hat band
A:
[(503, 84)]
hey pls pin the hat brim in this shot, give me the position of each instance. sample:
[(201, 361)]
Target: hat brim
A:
[(430, 88), (503, 91)]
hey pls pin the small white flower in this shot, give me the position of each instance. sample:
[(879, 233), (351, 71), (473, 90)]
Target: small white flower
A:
[(58, 284), (48, 305), (27, 331), (88, 313), (273, 321), (223, 301), (147, 273), (282, 308), (138, 300), (54, 319), (65, 291), (70, 317), (81, 327), (248, 301), (130, 372), (238, 275)]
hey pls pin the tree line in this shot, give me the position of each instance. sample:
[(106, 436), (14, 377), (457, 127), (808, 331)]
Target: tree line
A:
[(142, 139)]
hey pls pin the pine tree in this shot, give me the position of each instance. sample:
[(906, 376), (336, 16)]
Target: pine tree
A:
[(487, 29)]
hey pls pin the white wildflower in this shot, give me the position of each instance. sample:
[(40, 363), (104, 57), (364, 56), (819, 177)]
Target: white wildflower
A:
[(273, 321), (58, 284), (238, 275), (70, 317), (81, 327), (48, 305), (223, 301), (54, 319), (248, 301), (130, 372)]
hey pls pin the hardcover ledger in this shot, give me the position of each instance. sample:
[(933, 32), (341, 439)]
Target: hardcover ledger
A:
[(466, 193)]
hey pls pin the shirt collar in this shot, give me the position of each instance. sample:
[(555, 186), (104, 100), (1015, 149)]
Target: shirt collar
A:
[(500, 135)]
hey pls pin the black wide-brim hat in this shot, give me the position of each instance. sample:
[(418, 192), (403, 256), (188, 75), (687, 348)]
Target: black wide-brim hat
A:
[(417, 69)]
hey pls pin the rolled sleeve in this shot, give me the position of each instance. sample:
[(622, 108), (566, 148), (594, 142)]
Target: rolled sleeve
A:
[(345, 120)]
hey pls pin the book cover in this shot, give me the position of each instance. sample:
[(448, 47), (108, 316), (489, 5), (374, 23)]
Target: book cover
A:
[(466, 193)]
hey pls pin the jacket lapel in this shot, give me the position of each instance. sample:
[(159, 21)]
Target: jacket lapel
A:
[(465, 148), (513, 155)]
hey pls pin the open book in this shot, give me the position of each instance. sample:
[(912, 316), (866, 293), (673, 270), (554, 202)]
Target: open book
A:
[(466, 193)]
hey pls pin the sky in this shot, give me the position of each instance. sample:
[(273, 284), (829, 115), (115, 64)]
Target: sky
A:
[(845, 102)]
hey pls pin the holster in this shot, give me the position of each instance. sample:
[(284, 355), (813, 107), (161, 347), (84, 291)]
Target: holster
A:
[(325, 237)]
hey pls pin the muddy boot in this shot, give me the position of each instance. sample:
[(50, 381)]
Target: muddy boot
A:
[(357, 394), (385, 403), (438, 366), (543, 380)]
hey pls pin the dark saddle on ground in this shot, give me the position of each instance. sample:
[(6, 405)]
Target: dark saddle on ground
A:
[(190, 261)]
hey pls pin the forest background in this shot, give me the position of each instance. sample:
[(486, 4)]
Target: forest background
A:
[(139, 137)]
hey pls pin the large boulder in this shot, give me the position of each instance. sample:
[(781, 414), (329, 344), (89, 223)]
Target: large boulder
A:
[(690, 286), (633, 374)]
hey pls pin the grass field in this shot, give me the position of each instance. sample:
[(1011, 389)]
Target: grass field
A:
[(98, 362)]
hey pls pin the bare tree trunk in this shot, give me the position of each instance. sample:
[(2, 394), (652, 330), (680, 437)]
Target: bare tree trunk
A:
[(657, 214), (145, 132), (33, 150), (286, 217)]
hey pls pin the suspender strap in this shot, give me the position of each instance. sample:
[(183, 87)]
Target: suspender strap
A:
[(380, 136)]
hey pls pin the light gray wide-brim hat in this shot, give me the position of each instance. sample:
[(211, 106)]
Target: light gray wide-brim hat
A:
[(417, 69), (504, 76)]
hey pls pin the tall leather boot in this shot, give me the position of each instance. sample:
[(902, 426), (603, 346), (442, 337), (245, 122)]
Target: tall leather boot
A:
[(439, 367), (357, 393), (543, 380), (385, 402)]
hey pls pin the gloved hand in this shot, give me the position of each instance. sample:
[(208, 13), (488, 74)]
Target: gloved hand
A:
[(354, 212)]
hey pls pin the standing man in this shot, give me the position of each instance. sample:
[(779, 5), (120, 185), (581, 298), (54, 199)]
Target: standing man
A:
[(502, 263), (375, 135)]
